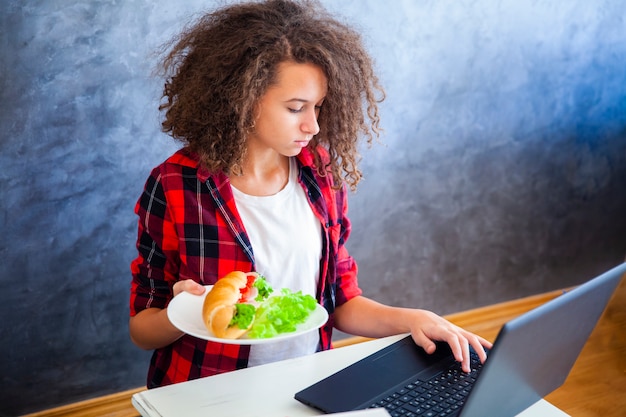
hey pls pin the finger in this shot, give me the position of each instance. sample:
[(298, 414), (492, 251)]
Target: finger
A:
[(425, 342), (459, 347), (189, 286), (479, 344), (459, 341), (464, 354), (194, 288)]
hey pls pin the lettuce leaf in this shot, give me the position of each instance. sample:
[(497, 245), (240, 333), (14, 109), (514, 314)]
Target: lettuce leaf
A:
[(263, 287), (281, 314), (244, 314)]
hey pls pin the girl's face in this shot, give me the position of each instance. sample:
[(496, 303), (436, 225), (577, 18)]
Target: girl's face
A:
[(287, 113)]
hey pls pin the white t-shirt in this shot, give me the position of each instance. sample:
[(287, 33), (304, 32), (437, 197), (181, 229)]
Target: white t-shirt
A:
[(286, 239)]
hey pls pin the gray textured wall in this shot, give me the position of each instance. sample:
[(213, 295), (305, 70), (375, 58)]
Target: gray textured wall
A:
[(502, 173)]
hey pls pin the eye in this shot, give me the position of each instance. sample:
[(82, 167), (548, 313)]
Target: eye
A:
[(292, 110)]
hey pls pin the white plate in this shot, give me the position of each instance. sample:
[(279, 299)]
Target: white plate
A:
[(185, 312)]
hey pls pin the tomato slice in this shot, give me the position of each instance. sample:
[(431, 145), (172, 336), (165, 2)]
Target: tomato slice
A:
[(247, 290)]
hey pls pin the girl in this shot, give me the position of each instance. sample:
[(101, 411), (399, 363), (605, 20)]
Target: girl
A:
[(269, 99)]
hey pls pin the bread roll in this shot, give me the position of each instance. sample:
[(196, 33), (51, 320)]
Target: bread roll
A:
[(219, 305)]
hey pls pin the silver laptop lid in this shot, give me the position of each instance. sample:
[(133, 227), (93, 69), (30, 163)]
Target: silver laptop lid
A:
[(534, 353)]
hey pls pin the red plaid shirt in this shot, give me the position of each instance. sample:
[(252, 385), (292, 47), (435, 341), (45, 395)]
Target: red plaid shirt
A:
[(189, 228)]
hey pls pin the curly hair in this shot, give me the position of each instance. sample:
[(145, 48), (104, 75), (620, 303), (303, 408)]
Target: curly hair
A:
[(220, 66)]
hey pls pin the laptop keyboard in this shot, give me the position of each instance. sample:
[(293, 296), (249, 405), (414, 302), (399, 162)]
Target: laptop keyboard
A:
[(440, 396)]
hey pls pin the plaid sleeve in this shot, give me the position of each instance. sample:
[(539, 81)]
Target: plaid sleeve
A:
[(155, 269), (347, 282)]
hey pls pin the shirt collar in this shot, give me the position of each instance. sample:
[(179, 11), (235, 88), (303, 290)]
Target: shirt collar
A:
[(189, 159)]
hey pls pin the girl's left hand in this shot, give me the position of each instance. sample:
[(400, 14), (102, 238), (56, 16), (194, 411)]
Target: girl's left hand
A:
[(428, 327)]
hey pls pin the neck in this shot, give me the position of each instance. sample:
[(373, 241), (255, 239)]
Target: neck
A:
[(263, 176)]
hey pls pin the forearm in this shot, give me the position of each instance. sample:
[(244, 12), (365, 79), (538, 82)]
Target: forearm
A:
[(362, 316), (151, 329)]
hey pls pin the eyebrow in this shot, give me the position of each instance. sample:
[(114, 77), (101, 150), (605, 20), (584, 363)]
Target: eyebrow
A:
[(301, 100)]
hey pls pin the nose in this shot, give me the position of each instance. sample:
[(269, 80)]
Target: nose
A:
[(310, 125)]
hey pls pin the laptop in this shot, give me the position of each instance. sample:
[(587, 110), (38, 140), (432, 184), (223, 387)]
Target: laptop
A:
[(531, 357)]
